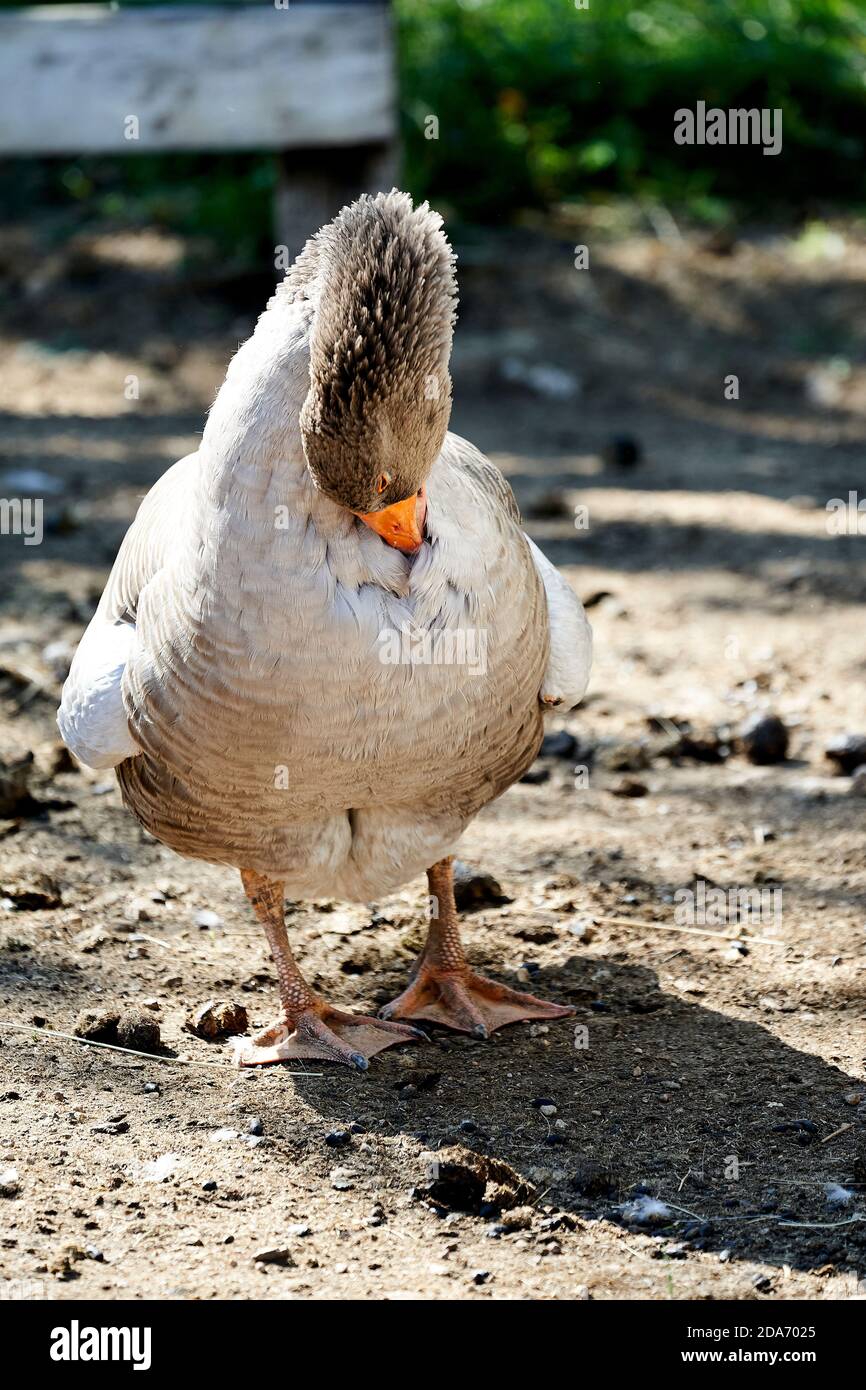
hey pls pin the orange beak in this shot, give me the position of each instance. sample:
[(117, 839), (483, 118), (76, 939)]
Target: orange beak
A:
[(400, 525)]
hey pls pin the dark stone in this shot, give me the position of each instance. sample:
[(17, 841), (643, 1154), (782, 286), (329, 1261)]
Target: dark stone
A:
[(338, 1138), (848, 752), (764, 739), (562, 744), (473, 888), (534, 776), (274, 1257), (622, 451)]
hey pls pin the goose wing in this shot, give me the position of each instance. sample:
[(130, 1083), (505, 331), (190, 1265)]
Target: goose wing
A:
[(91, 718), (570, 661)]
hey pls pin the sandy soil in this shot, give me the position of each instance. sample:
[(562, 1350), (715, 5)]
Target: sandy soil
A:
[(727, 1083)]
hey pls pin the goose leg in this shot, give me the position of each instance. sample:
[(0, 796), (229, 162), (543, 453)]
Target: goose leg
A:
[(307, 1026), (443, 989)]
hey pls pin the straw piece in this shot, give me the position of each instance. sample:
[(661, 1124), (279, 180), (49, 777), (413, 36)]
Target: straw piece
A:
[(639, 924), (130, 1051)]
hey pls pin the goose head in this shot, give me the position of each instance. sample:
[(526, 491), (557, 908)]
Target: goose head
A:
[(379, 400)]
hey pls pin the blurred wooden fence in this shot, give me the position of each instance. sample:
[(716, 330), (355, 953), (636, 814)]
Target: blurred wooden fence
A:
[(312, 81)]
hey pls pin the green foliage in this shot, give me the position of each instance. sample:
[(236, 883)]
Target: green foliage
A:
[(224, 203), (538, 100)]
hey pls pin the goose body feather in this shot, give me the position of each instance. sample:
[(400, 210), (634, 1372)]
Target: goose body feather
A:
[(281, 691)]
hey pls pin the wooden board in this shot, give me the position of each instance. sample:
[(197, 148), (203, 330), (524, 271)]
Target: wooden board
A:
[(254, 77)]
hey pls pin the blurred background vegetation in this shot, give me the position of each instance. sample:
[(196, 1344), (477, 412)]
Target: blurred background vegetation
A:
[(540, 104)]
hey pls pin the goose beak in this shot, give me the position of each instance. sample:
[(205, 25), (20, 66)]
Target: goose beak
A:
[(400, 525)]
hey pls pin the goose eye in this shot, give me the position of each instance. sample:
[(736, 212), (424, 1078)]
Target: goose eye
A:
[(384, 480)]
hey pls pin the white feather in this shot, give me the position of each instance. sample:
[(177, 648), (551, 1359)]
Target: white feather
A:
[(837, 1195), (647, 1211), (570, 661), (91, 718)]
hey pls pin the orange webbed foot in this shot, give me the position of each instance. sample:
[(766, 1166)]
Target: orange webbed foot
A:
[(323, 1034), (468, 1002)]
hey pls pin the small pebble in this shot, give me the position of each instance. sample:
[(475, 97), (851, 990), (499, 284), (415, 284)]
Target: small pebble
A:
[(764, 739), (517, 1219), (9, 1184), (110, 1127), (848, 752), (858, 781), (205, 919), (279, 1256), (138, 910), (338, 1138), (561, 744), (630, 787), (474, 888), (581, 928), (622, 451)]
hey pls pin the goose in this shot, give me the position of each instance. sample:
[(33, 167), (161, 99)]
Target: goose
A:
[(326, 643)]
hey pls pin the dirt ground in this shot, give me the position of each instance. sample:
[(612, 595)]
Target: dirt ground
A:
[(726, 1082)]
